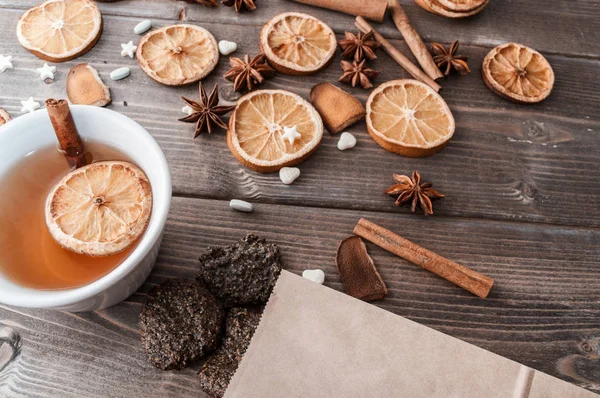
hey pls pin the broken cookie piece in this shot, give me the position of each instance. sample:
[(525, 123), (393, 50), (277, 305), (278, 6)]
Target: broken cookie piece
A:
[(241, 274), (358, 272), (337, 108), (220, 367), (180, 323)]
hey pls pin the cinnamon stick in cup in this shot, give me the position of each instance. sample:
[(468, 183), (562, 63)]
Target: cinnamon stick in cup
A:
[(371, 9), (396, 55), (462, 276), (413, 40), (69, 141)]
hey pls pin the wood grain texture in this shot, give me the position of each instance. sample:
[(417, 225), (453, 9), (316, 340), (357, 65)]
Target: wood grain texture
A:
[(506, 161), (522, 186), (574, 23), (543, 310)]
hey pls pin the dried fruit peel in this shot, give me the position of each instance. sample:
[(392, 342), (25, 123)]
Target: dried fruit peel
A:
[(99, 209), (409, 118), (60, 30), (298, 44), (518, 73), (256, 129), (178, 54)]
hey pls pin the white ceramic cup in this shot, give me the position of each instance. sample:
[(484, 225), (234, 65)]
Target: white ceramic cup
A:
[(32, 131)]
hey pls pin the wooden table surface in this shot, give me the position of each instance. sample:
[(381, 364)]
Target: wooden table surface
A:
[(522, 205)]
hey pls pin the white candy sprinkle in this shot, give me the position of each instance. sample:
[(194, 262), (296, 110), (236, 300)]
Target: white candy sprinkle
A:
[(288, 175), (142, 27), (291, 134), (187, 110), (346, 141), (128, 49), (5, 63), (315, 275), (241, 205), (46, 71), (120, 73), (227, 47), (30, 105)]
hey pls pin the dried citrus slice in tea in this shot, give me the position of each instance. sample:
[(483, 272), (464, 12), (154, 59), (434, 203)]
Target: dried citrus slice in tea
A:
[(99, 209), (60, 30), (461, 5), (271, 129), (409, 118), (518, 73), (178, 54), (436, 7), (297, 44)]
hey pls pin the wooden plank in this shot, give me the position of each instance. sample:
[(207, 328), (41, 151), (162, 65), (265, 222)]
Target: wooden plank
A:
[(575, 24), (505, 162), (543, 310)]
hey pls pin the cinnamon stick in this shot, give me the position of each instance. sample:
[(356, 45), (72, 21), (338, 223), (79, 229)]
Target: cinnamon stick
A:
[(396, 55), (69, 141), (413, 40), (462, 276), (371, 9)]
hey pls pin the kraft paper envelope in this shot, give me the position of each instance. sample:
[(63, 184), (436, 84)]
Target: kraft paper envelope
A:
[(313, 341)]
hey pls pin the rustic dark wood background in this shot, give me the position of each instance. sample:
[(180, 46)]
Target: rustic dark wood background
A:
[(522, 206)]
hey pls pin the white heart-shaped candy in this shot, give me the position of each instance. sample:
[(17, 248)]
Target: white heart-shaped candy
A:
[(346, 141), (315, 275), (289, 174), (227, 47)]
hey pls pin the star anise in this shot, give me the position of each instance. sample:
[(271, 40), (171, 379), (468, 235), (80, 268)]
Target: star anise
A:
[(208, 3), (359, 47), (410, 189), (239, 5), (246, 74), (357, 73), (206, 113), (449, 60)]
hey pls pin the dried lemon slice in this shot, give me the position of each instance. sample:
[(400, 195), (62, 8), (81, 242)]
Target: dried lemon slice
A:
[(297, 44), (99, 209), (178, 54), (461, 5), (271, 129), (519, 73), (409, 118), (436, 7), (60, 30)]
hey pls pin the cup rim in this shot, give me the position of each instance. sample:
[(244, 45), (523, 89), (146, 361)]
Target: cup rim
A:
[(37, 298)]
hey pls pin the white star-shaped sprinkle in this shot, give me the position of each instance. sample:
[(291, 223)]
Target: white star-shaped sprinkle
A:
[(128, 49), (291, 134), (47, 71), (30, 105), (5, 63), (187, 110)]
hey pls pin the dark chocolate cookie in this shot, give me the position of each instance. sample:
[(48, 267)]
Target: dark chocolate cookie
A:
[(241, 274), (239, 329), (180, 322), (216, 373), (220, 367)]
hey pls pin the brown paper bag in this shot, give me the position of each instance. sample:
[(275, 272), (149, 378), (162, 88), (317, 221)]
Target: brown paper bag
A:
[(316, 342)]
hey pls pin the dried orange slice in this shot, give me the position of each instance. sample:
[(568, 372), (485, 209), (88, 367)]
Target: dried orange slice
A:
[(461, 5), (4, 117), (409, 118), (99, 209), (436, 7), (518, 73), (178, 54), (60, 30), (271, 129), (297, 44)]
